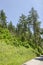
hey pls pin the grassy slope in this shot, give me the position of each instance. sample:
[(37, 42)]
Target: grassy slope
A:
[(10, 55)]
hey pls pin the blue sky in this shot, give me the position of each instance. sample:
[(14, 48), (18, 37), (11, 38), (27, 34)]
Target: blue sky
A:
[(14, 8)]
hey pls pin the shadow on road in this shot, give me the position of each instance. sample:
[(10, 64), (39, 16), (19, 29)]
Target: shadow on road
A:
[(39, 58)]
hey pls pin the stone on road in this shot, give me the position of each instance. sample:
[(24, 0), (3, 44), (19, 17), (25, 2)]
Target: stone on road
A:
[(36, 61)]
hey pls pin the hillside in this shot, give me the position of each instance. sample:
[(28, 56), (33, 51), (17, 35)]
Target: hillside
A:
[(13, 51), (11, 55), (10, 52)]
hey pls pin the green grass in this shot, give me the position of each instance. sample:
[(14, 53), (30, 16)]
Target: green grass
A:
[(11, 55)]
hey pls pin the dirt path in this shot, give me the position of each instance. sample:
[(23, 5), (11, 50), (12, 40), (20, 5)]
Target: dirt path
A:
[(36, 61)]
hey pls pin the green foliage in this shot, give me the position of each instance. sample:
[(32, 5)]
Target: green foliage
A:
[(3, 22), (11, 55), (22, 38), (16, 43), (39, 49), (35, 25), (4, 33), (25, 44), (31, 43), (11, 28)]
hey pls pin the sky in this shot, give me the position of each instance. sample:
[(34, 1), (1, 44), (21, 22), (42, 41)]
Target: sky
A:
[(14, 9)]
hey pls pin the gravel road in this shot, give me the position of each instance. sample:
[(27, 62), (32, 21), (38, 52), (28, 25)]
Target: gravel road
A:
[(36, 61)]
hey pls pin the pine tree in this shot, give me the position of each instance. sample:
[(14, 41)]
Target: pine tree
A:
[(3, 22)]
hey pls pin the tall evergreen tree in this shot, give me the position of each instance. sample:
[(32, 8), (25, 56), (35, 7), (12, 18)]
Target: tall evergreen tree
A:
[(22, 26), (33, 21), (11, 28), (3, 22)]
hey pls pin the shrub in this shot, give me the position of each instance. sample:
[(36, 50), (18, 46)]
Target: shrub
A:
[(25, 44), (31, 43), (39, 49), (16, 43), (36, 52)]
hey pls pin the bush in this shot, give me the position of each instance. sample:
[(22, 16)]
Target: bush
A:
[(16, 43), (31, 43), (39, 49), (25, 44), (4, 33), (36, 52), (22, 38)]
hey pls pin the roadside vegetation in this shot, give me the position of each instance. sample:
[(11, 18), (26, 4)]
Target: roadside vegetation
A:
[(21, 43)]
